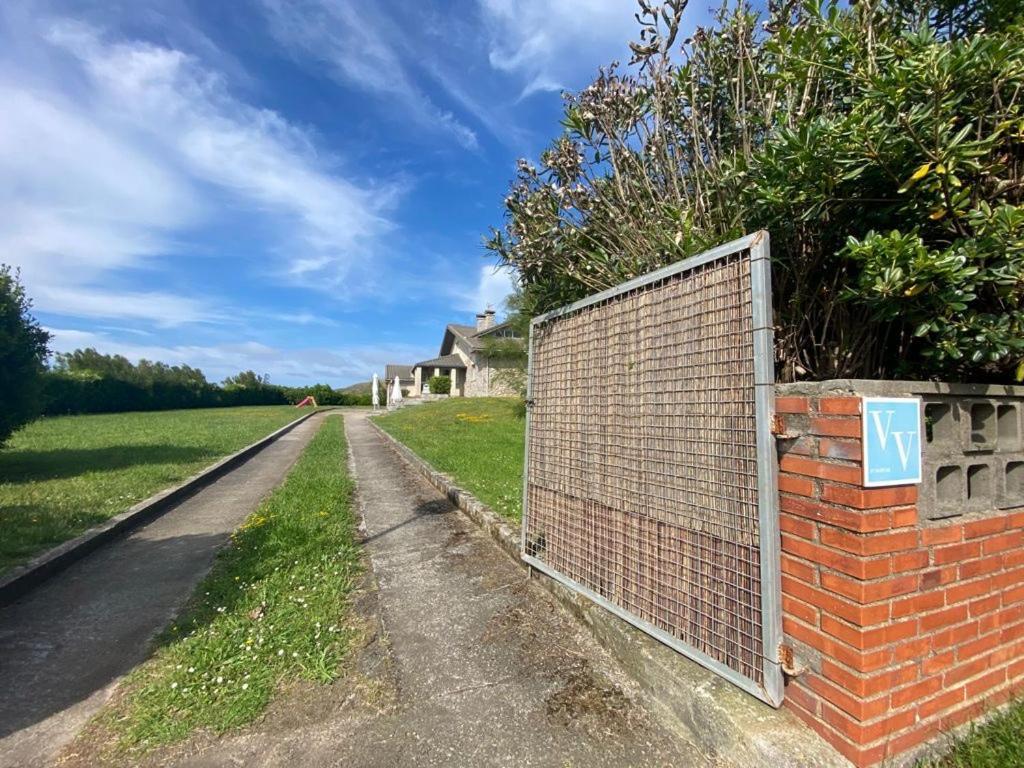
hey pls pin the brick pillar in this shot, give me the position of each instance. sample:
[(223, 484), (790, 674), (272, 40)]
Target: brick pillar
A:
[(904, 628)]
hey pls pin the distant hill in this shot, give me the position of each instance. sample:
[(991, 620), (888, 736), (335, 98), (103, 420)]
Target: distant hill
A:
[(362, 388)]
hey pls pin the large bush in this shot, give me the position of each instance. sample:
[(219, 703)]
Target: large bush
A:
[(881, 144), (22, 356), (439, 385)]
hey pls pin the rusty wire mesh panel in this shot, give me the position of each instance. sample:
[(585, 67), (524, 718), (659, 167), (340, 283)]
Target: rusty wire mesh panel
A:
[(648, 486)]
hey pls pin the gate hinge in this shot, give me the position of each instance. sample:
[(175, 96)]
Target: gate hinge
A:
[(787, 661), (779, 428)]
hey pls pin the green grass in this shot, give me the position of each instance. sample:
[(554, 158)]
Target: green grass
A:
[(273, 610), (60, 476), (996, 744), (478, 441)]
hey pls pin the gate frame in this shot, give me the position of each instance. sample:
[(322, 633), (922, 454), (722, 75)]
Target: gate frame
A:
[(758, 243)]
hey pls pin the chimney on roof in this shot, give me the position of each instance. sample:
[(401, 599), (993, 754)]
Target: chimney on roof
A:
[(485, 320)]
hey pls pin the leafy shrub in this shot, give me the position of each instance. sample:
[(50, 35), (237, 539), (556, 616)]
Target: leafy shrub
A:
[(22, 356), (880, 144), (439, 385)]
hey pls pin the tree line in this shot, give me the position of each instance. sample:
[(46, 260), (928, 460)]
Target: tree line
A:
[(87, 381)]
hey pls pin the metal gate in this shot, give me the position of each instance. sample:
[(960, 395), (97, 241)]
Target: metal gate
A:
[(650, 481)]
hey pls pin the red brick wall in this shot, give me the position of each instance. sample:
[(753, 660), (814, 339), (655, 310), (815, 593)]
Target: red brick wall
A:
[(906, 629)]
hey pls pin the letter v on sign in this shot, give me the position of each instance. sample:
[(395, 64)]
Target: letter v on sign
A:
[(891, 435), (882, 432)]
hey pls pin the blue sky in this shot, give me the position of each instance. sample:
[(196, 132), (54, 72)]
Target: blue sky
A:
[(298, 187)]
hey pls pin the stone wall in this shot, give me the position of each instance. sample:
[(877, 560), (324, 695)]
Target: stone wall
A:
[(904, 605), (496, 385), (476, 374), (482, 375)]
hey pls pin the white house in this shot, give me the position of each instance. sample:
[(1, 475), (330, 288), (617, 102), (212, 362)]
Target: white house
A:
[(464, 357)]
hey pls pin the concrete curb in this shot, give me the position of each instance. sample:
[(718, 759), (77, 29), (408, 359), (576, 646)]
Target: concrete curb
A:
[(720, 719), (23, 578)]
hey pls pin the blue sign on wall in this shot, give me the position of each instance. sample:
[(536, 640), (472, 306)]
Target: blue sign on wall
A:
[(892, 440)]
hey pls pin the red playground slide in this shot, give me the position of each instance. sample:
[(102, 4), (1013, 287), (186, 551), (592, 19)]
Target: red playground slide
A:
[(309, 400)]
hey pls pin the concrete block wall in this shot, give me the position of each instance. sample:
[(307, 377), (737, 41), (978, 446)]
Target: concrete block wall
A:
[(903, 626), (975, 446)]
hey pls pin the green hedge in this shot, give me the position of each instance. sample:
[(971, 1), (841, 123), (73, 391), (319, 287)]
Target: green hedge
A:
[(64, 394)]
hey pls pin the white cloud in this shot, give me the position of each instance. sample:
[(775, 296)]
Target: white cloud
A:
[(301, 318), (362, 48), (165, 310), (335, 366), (81, 203), (254, 153), (557, 44), (495, 284), (113, 153)]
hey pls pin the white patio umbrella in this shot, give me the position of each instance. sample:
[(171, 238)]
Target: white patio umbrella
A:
[(396, 392), (375, 392)]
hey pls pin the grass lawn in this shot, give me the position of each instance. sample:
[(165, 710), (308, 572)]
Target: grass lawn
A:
[(273, 610), (476, 440), (62, 475), (996, 744)]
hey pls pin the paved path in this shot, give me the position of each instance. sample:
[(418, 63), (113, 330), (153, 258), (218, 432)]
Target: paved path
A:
[(65, 644), (484, 669)]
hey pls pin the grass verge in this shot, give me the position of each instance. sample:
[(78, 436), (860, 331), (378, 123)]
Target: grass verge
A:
[(61, 476), (995, 744), (272, 611), (478, 441)]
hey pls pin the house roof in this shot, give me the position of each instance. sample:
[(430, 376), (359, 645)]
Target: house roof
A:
[(401, 371), (464, 332), (445, 361), (494, 328), (468, 333)]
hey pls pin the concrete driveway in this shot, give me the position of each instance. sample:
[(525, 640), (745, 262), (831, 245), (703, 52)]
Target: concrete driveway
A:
[(470, 663)]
